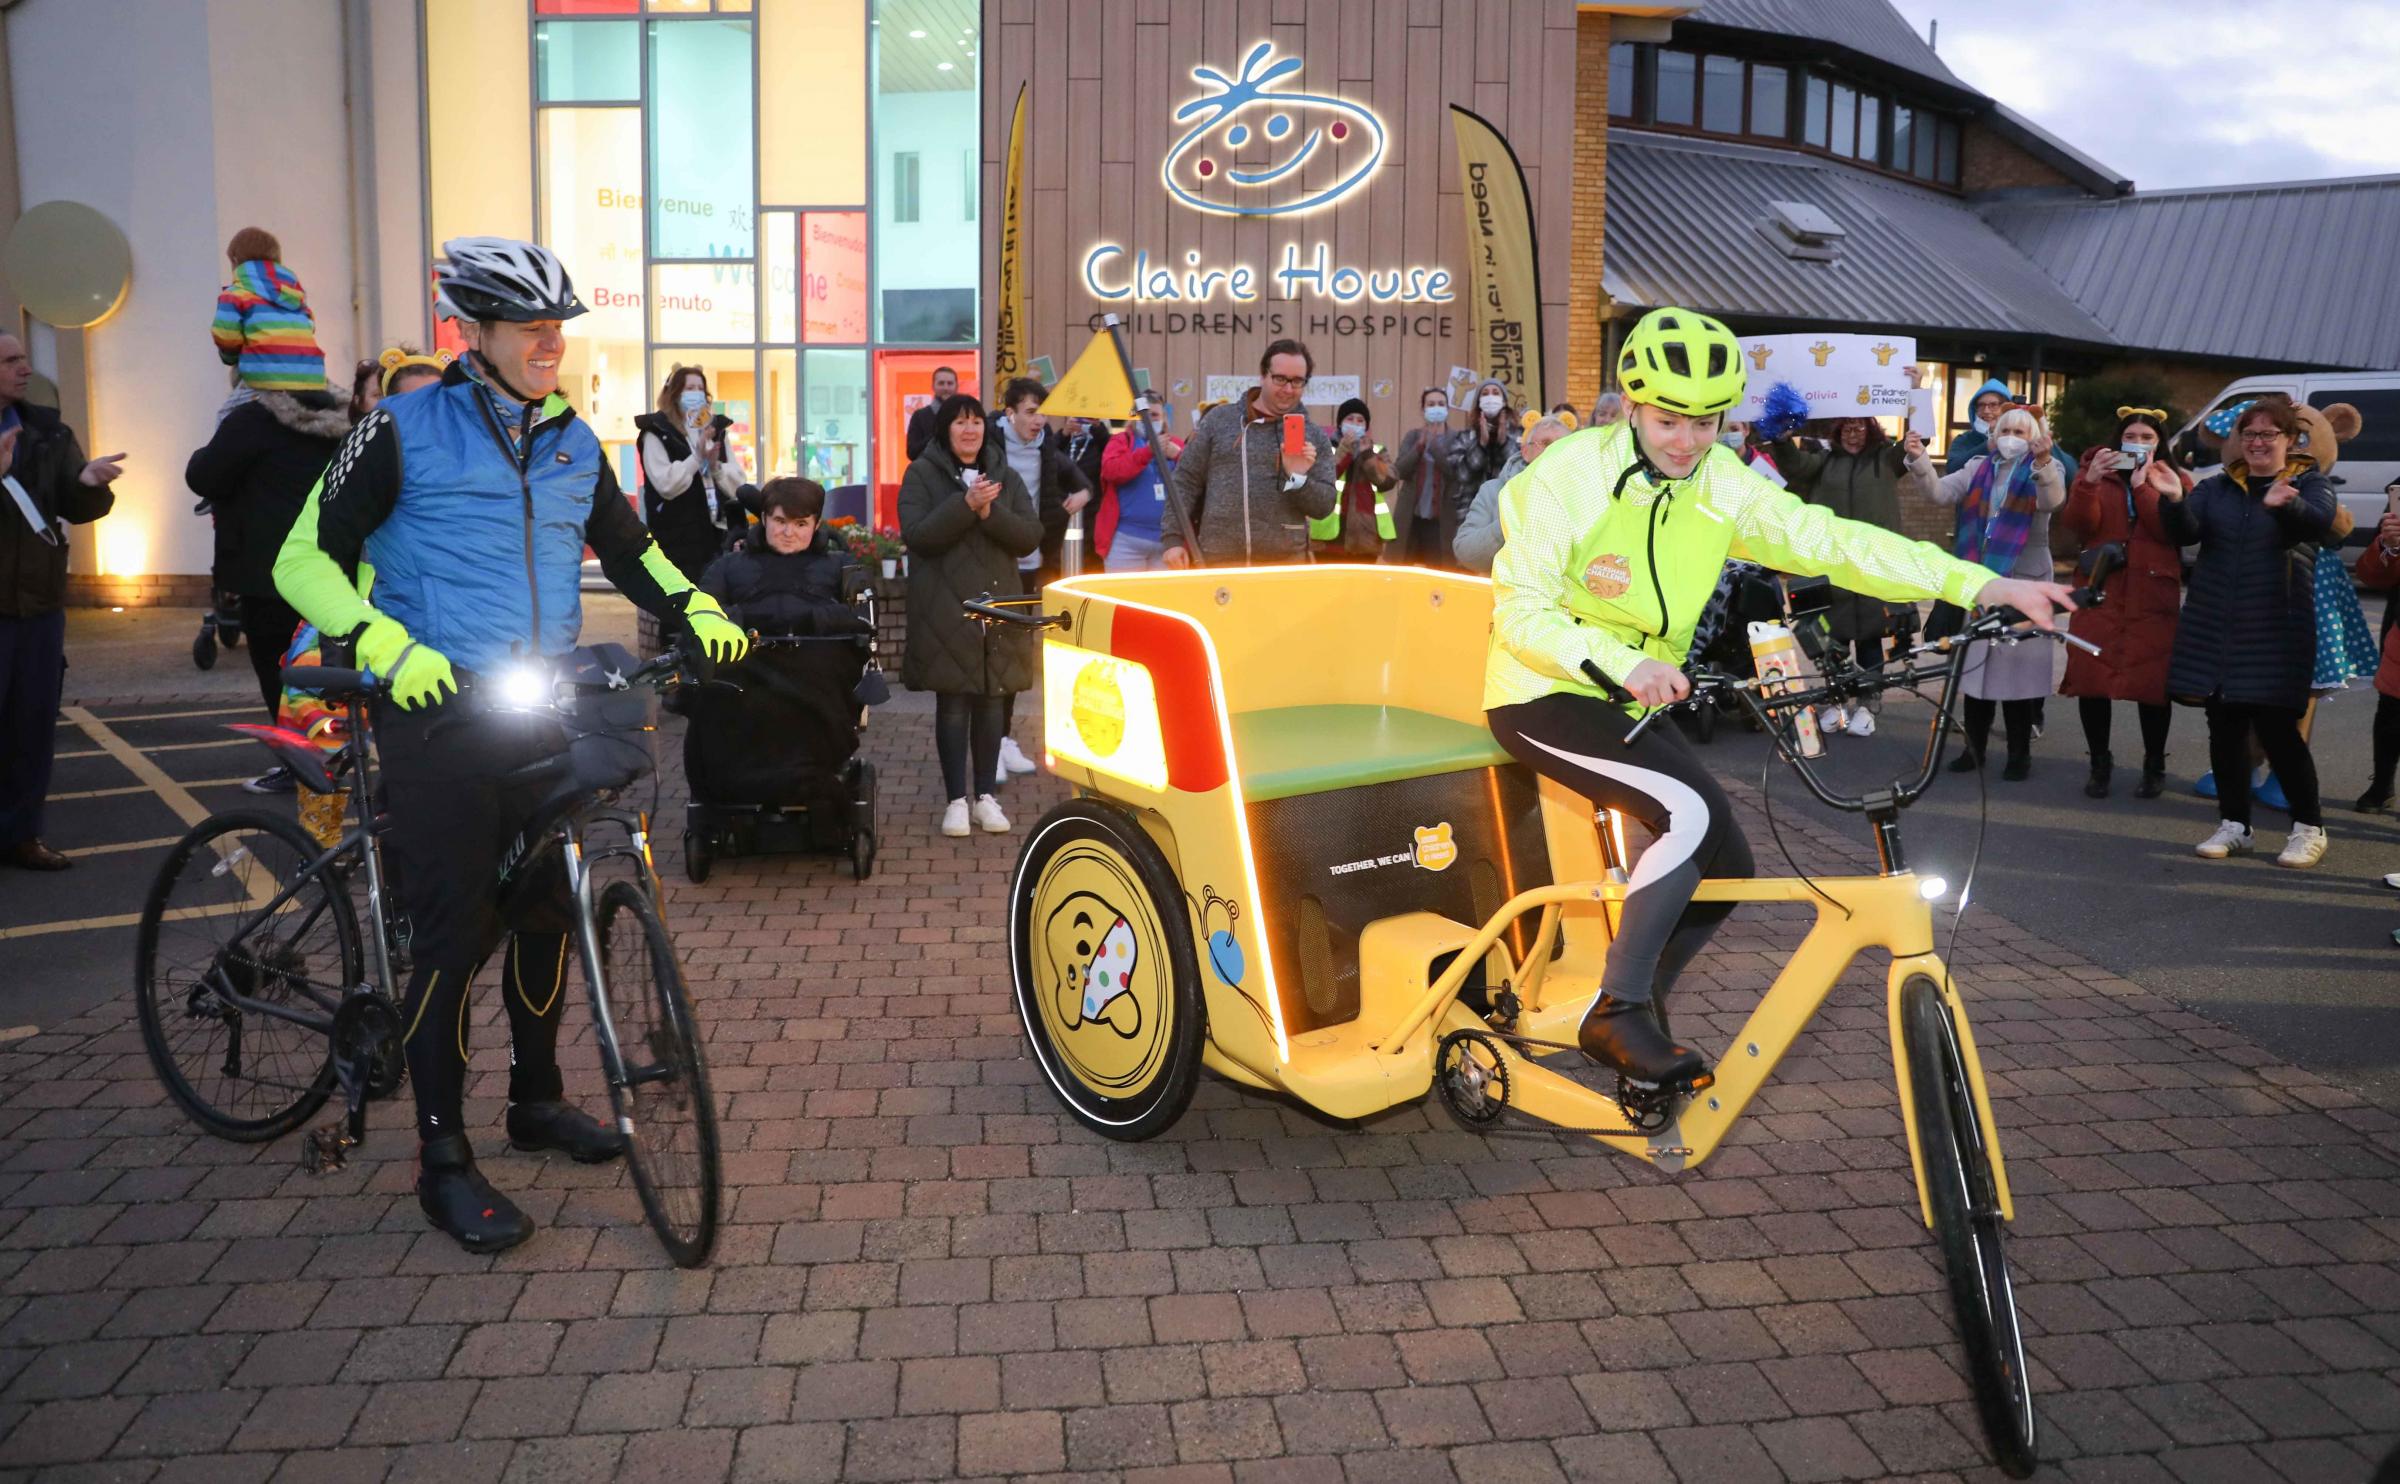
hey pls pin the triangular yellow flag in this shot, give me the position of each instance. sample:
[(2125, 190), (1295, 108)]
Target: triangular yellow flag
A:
[(1097, 385)]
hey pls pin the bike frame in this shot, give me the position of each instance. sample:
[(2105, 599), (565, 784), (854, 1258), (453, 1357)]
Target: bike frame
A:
[(1866, 913)]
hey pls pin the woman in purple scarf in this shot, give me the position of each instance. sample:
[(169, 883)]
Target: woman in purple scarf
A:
[(2004, 499)]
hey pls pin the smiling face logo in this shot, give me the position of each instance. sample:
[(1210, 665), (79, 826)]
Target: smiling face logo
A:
[(1297, 127)]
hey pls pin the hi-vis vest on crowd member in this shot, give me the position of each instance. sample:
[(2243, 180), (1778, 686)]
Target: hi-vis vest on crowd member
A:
[(1328, 527)]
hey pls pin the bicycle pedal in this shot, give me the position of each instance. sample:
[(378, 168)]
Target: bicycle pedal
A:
[(327, 1149)]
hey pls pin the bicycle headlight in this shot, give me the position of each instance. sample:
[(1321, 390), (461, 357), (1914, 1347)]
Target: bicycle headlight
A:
[(1933, 888), (522, 685)]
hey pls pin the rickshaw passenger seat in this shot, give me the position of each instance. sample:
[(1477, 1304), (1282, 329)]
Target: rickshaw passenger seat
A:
[(1293, 750)]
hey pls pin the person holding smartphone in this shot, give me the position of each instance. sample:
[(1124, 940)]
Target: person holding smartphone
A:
[(2114, 504), (1255, 473)]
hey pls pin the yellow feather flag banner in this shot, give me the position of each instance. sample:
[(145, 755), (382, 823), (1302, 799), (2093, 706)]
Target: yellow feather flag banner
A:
[(1008, 340), (1507, 308), (1099, 384)]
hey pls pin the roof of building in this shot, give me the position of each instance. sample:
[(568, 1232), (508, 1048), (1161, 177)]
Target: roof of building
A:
[(2099, 179), (1684, 228), (1871, 28), (2293, 271)]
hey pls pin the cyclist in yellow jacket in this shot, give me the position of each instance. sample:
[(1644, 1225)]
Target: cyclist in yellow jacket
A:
[(1614, 541)]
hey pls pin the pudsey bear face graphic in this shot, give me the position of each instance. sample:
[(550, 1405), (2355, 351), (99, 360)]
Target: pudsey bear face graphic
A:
[(1095, 964)]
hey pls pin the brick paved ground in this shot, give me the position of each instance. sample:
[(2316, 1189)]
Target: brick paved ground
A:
[(930, 1271)]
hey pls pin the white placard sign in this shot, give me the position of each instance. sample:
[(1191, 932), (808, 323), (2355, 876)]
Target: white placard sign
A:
[(1840, 375), (1920, 412), (1323, 391)]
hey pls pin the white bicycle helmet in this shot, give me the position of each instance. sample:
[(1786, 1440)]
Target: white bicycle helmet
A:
[(500, 278)]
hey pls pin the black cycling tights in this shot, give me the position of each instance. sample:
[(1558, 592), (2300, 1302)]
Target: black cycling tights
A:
[(1659, 780), (452, 824)]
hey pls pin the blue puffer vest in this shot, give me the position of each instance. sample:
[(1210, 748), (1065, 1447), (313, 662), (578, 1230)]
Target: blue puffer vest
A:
[(481, 556)]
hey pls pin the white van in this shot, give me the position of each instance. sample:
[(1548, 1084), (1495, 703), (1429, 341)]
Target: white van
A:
[(2368, 462)]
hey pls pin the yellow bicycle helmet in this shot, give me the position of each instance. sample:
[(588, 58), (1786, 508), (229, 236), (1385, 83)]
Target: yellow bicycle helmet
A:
[(1682, 361)]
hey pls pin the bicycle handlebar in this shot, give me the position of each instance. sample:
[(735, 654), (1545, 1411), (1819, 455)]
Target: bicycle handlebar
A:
[(991, 610), (1848, 683)]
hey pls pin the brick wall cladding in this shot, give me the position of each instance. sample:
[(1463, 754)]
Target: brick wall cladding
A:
[(151, 590), (1585, 372), (1990, 163)]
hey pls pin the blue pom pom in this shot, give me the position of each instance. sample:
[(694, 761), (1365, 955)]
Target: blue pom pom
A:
[(1785, 409)]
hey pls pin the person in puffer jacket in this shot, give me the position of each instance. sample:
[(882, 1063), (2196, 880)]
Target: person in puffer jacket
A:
[(786, 576), (263, 328)]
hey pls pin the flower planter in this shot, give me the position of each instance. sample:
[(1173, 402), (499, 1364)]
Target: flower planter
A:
[(891, 567)]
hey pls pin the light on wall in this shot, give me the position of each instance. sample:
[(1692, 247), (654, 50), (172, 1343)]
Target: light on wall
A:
[(124, 547)]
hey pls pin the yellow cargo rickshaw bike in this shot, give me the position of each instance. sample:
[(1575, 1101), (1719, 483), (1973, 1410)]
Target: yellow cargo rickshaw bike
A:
[(1297, 857)]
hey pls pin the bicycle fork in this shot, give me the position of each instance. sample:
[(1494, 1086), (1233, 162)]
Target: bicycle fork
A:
[(1930, 966)]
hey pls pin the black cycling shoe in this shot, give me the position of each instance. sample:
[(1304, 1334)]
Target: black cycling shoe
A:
[(564, 1127), (458, 1200), (1626, 1038)]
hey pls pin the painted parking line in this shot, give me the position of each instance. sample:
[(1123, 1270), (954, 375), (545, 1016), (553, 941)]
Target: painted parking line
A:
[(160, 747), (175, 795), (175, 715), (142, 788), (129, 919), (120, 847)]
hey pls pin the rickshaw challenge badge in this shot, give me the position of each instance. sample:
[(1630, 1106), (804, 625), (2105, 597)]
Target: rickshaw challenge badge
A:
[(1098, 710)]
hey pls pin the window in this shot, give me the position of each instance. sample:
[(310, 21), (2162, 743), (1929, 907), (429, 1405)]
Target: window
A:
[(2378, 440), (1870, 128), (1620, 80), (592, 218), (812, 140), (926, 108), (1904, 123), (1677, 83), (699, 193), (1845, 121), (969, 186), (1814, 112), (833, 274), (1921, 160), (833, 423), (1769, 114), (588, 61), (1945, 158), (1721, 95)]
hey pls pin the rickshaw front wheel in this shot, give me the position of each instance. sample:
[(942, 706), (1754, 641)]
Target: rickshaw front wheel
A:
[(1106, 977)]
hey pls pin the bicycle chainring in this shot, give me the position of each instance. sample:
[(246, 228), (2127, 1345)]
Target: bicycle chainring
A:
[(1648, 1109), (366, 1043), (1471, 1073)]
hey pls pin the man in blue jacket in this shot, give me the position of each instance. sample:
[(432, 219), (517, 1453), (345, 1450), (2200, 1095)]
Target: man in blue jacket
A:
[(472, 501)]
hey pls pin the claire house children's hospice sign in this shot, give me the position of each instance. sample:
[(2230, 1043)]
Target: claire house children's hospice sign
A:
[(1242, 119)]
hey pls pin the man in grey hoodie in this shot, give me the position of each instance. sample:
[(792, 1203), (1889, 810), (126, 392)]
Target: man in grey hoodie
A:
[(1249, 501)]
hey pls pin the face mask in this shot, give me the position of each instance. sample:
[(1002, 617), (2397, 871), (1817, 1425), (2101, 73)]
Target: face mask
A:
[(692, 401), (1491, 405), (1983, 425), (1437, 413), (1730, 437), (1354, 430), (2011, 446)]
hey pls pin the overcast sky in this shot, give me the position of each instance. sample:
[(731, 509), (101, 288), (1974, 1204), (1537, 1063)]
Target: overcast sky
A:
[(2159, 90)]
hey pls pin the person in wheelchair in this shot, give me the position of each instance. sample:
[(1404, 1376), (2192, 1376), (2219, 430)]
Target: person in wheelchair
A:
[(1614, 543), (788, 577)]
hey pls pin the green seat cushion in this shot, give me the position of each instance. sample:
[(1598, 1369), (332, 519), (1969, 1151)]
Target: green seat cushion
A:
[(1295, 750)]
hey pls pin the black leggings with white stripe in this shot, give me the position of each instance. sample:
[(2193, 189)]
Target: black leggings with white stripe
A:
[(1660, 781)]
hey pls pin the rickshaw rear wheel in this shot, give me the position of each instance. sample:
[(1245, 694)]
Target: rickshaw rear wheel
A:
[(1106, 976)]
